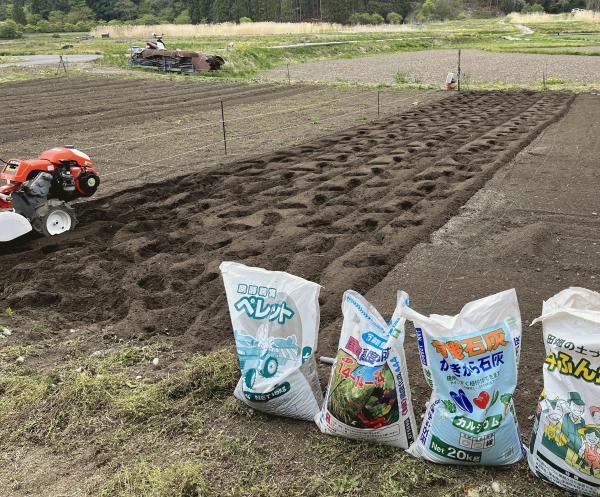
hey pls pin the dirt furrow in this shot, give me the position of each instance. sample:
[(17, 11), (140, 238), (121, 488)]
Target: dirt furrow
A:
[(75, 117), (131, 94), (341, 210)]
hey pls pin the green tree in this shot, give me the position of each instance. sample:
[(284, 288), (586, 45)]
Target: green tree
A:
[(9, 29), (240, 9), (183, 17), (147, 20), (83, 13), (394, 18), (366, 18), (199, 10), (105, 9), (336, 10), (40, 7), (286, 12), (221, 11), (531, 8), (18, 13), (440, 9), (56, 17), (124, 10)]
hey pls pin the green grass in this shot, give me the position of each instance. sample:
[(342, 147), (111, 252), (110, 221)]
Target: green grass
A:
[(11, 74), (48, 405), (179, 432), (254, 54), (10, 60), (145, 479)]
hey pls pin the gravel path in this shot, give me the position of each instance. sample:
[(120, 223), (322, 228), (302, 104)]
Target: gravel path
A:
[(571, 49), (431, 66), (49, 60)]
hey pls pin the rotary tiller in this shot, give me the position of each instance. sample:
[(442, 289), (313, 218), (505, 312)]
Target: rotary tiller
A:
[(37, 192)]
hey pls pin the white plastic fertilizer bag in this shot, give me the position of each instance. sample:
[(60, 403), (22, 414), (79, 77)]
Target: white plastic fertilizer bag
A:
[(470, 361), (565, 443), (368, 397), (275, 319)]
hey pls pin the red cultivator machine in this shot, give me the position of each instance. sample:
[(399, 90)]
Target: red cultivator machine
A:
[(37, 192)]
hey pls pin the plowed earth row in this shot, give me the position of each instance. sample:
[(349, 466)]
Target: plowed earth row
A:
[(341, 210), (137, 130), (84, 103)]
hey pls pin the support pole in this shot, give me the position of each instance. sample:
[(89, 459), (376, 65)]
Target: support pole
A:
[(378, 93), (288, 73), (223, 123), (61, 63), (458, 72), (544, 77)]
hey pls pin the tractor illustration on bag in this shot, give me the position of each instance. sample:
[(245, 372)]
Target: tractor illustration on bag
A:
[(263, 355)]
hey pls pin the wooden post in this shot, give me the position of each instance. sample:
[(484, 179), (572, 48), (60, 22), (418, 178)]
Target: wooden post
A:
[(378, 93), (288, 73), (61, 63), (223, 123), (458, 72), (544, 77)]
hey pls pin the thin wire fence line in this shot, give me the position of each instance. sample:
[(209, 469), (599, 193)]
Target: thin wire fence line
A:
[(219, 122), (137, 166), (305, 124), (337, 116), (496, 222), (234, 136), (217, 142)]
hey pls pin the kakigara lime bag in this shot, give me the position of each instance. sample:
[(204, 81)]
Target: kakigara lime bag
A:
[(470, 360), (565, 443), (275, 319), (368, 397)]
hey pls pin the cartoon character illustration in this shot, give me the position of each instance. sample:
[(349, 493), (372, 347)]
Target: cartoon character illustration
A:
[(595, 413), (572, 422), (562, 432), (589, 454)]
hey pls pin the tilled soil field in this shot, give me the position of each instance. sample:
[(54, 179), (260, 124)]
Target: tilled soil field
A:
[(341, 210), (137, 129), (432, 66), (81, 103)]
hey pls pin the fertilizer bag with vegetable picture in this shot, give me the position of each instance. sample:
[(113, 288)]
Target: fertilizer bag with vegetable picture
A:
[(368, 397), (470, 361), (275, 319), (565, 442)]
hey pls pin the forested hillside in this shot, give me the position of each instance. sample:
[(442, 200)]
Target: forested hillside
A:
[(81, 15)]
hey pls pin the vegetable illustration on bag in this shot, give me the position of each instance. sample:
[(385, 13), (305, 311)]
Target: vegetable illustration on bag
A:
[(470, 361), (368, 397), (565, 442), (275, 319)]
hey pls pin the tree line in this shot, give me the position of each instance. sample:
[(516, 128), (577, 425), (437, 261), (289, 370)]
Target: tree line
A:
[(82, 15)]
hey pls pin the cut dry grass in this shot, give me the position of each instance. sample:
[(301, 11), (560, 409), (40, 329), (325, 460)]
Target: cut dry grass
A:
[(151, 480), (54, 406), (246, 29), (10, 74), (542, 17), (183, 434)]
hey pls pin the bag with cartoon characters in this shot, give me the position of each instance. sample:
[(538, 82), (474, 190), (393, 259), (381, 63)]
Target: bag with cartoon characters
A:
[(470, 360), (275, 319), (565, 442), (368, 397)]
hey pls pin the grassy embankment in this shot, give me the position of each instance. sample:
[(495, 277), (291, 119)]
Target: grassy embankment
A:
[(254, 53), (113, 424)]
